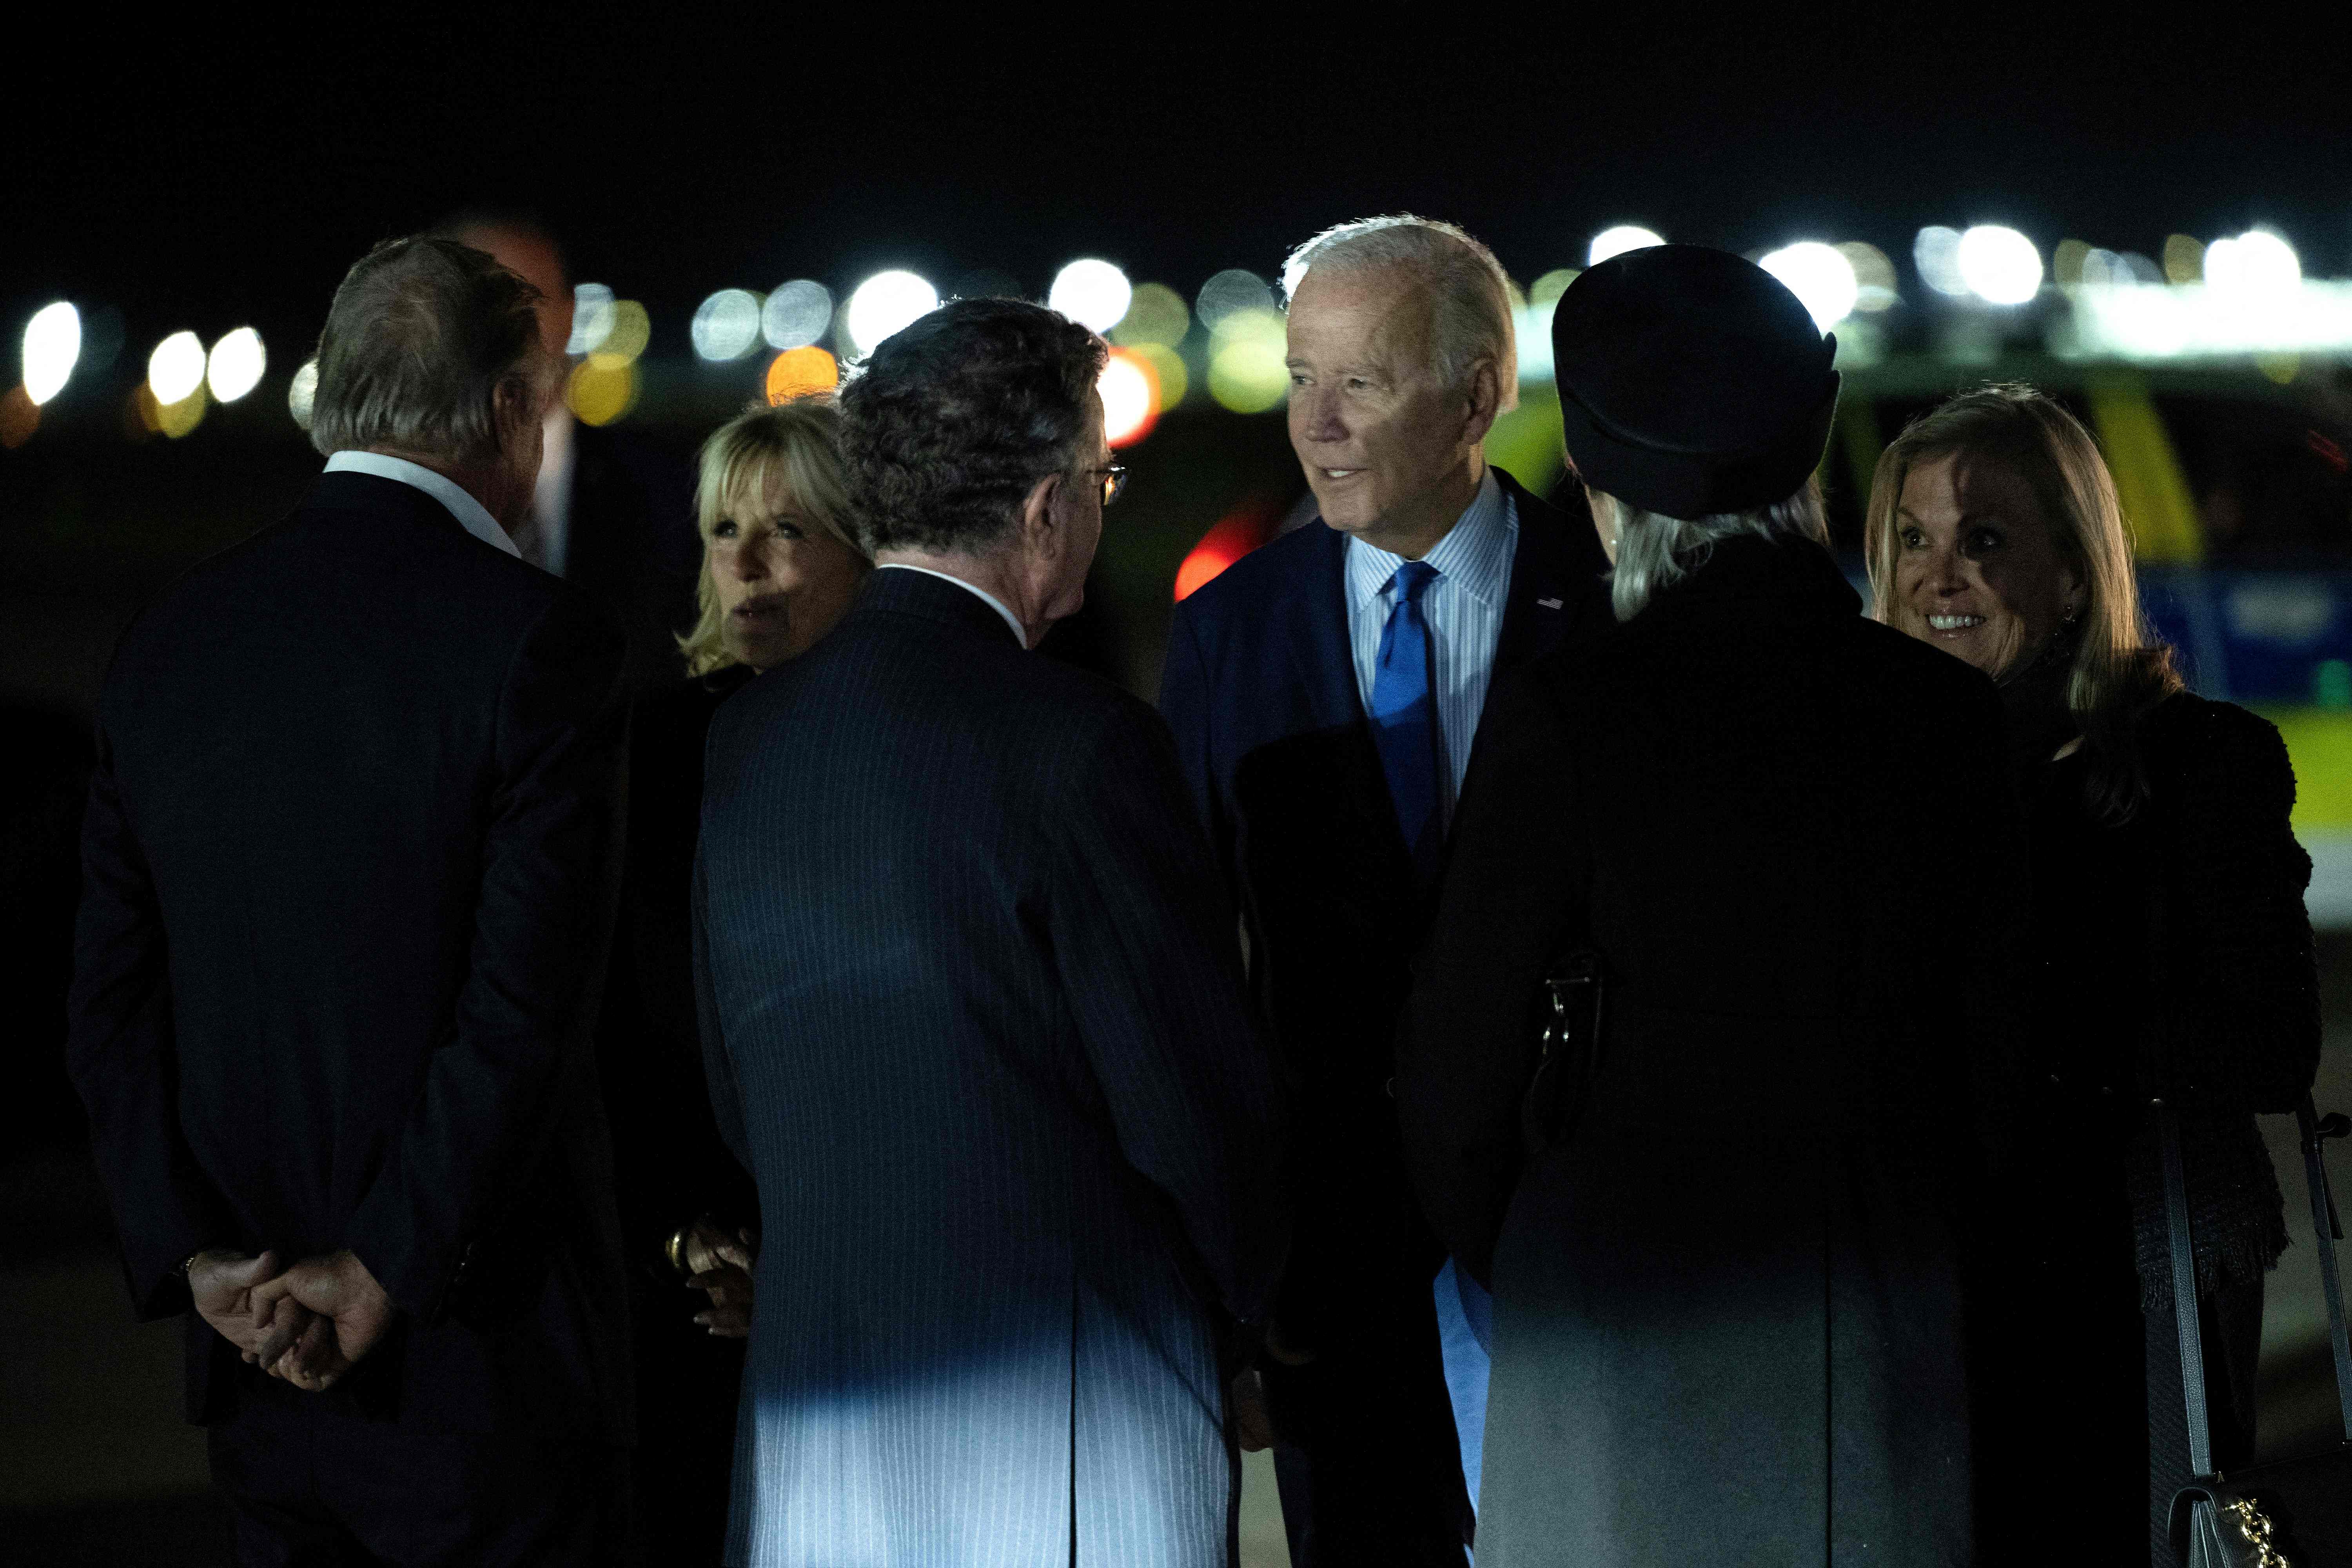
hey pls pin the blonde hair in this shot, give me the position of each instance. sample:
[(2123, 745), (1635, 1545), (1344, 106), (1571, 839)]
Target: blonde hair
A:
[(2120, 669), (1654, 552), (794, 445)]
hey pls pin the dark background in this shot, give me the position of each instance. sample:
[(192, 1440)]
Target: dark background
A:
[(226, 174)]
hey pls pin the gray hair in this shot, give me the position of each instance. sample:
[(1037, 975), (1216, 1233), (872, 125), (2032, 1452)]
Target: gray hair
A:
[(1470, 295), (421, 335), (1655, 551)]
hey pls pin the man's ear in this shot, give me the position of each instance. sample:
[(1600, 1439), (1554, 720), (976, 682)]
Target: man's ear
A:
[(514, 404), (1037, 513), (1485, 397)]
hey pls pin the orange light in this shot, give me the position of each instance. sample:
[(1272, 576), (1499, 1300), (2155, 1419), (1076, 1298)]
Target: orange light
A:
[(798, 373), (1234, 536), (19, 418), (1130, 396)]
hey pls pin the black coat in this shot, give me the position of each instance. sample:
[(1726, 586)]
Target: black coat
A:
[(975, 1023), (1261, 691), (1728, 1317), (348, 873)]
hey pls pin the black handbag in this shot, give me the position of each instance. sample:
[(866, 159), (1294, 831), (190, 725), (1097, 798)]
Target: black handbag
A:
[(2286, 1513), (1568, 1050)]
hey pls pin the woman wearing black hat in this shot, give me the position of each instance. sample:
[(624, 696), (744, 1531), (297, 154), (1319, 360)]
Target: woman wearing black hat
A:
[(1727, 1264)]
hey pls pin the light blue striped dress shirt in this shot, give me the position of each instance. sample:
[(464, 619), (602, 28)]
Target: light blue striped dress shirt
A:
[(1464, 610)]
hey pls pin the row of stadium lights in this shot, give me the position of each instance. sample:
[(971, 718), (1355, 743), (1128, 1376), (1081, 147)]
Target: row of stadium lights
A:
[(1145, 324)]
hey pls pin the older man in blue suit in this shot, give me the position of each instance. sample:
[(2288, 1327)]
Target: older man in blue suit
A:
[(975, 1022), (1325, 694)]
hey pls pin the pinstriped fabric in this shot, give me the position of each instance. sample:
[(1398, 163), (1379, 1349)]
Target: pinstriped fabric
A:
[(975, 1026), (1464, 610)]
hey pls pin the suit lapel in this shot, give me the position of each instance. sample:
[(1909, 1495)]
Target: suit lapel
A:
[(1558, 594), (1320, 649)]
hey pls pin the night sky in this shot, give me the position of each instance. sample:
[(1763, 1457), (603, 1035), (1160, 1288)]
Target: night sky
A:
[(215, 178)]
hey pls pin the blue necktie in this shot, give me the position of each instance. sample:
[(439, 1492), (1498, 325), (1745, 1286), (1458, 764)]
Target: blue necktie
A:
[(1404, 718)]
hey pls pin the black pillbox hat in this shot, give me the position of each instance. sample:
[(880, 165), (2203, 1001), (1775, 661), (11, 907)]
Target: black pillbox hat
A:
[(1691, 381)]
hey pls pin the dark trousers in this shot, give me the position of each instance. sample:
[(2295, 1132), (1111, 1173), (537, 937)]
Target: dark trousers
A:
[(1365, 1455), (310, 1486), (687, 1387)]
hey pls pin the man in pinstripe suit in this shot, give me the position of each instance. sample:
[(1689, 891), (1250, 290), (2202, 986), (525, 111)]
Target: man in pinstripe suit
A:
[(974, 1020)]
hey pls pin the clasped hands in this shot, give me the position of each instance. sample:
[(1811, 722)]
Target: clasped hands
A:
[(719, 1265), (309, 1324)]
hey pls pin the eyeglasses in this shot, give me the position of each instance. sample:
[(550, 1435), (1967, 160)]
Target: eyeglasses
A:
[(1114, 481)]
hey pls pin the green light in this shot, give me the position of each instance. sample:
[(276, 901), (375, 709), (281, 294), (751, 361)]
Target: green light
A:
[(2331, 683)]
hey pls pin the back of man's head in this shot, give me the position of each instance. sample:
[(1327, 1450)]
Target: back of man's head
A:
[(953, 420), (421, 335)]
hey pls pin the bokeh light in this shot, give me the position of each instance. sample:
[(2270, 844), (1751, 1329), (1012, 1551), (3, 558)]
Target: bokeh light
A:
[(1873, 277), (234, 366), (1168, 365), (2184, 259), (1618, 241), (1234, 536), (797, 314), (798, 373), (1157, 314), (630, 330), (601, 389), (726, 326), (1548, 288), (2257, 264), (1999, 265), (1129, 386), (886, 303), (19, 418), (1819, 275), (1936, 252), (1095, 294), (52, 345), (1248, 375), (176, 369), (1231, 293), (592, 319), (303, 392)]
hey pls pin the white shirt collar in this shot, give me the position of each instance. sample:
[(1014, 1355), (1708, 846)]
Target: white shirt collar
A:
[(472, 515), (992, 602), (1474, 554)]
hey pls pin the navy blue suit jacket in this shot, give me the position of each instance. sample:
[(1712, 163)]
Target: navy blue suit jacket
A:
[(975, 1023), (1260, 691)]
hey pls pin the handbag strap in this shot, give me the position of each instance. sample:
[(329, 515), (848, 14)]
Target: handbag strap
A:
[(2326, 1229), (2184, 1292)]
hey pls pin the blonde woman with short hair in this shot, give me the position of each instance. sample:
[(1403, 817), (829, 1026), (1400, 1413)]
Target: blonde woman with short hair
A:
[(778, 568), (2168, 932)]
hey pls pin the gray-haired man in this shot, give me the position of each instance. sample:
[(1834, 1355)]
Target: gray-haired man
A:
[(344, 867), (1325, 693)]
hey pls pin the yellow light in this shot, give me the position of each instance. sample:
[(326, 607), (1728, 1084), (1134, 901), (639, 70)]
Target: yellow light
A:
[(2184, 259), (798, 373), (1247, 374), (626, 339), (1548, 288), (600, 392), (1157, 314), (1129, 386), (176, 419), (1166, 363)]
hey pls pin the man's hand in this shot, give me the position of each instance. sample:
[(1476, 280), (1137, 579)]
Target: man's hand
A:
[(347, 1311), (232, 1292), (1253, 1427), (720, 1268)]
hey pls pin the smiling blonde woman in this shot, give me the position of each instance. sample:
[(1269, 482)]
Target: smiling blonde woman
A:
[(2168, 932)]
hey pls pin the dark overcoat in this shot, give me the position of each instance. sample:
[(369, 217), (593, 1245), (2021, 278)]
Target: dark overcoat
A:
[(1730, 1321), (348, 874), (974, 1021)]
